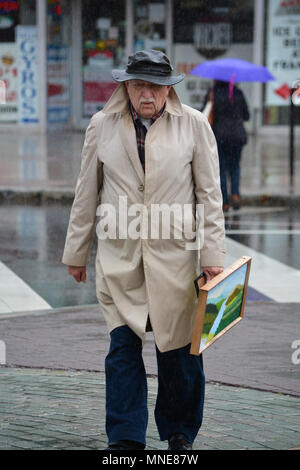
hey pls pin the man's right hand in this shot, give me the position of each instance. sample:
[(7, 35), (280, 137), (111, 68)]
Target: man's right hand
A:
[(78, 272)]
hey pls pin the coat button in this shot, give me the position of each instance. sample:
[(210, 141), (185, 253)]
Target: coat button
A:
[(141, 187)]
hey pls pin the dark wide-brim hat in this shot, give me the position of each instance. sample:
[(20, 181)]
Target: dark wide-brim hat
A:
[(150, 66)]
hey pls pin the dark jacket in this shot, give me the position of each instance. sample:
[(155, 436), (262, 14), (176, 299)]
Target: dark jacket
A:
[(228, 117)]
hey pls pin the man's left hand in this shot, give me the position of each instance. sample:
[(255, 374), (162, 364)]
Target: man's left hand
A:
[(211, 271)]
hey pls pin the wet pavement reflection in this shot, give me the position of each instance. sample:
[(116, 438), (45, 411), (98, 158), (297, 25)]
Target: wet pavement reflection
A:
[(32, 236), (272, 231), (52, 161), (32, 242)]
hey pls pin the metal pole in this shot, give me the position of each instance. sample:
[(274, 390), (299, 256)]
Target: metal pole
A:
[(292, 140), (258, 48), (129, 39), (169, 29), (76, 58)]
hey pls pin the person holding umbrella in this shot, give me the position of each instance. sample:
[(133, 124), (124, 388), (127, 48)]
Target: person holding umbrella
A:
[(229, 111)]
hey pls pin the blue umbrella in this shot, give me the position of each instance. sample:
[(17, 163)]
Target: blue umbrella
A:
[(229, 70)]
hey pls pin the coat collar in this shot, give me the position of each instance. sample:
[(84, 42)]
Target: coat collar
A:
[(118, 102)]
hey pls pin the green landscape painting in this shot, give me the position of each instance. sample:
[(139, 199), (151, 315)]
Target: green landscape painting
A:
[(223, 305)]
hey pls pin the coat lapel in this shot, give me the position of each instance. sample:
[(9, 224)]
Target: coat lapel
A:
[(128, 138)]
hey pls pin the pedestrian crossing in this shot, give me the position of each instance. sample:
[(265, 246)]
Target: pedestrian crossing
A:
[(270, 278), (274, 279), (16, 295)]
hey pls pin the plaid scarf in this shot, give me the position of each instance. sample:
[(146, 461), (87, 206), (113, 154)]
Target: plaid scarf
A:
[(141, 131)]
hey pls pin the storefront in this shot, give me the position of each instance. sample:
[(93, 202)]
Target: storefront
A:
[(18, 62), (56, 56), (189, 31), (282, 57)]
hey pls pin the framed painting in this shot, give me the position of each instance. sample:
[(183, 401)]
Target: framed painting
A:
[(221, 303)]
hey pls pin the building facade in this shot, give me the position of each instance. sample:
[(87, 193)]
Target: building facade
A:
[(56, 56)]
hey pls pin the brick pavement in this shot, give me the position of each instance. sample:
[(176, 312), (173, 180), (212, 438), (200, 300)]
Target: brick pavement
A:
[(47, 404), (50, 409)]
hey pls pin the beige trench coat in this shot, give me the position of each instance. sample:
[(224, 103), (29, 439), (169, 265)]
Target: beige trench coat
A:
[(140, 277)]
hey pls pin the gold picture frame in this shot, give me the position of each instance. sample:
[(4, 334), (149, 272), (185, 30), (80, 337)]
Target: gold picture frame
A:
[(221, 303)]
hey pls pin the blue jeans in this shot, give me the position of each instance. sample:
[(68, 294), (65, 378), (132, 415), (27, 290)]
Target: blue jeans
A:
[(229, 159), (180, 397)]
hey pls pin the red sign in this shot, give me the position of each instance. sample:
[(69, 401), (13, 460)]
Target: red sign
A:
[(6, 7), (98, 91), (284, 91), (290, 3)]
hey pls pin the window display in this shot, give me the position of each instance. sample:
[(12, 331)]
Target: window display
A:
[(103, 39), (18, 61), (59, 61), (149, 25), (282, 59), (205, 31)]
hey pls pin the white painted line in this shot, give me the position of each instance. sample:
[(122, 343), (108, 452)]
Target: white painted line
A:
[(4, 308), (284, 225), (16, 294), (262, 232), (270, 277), (255, 210)]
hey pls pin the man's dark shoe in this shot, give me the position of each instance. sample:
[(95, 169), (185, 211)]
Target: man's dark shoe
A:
[(179, 442), (125, 445), (236, 202)]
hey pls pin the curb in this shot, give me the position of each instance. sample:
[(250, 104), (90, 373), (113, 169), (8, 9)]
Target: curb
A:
[(37, 196), (265, 200), (40, 196)]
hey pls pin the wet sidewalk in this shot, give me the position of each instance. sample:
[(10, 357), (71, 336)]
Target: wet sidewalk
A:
[(45, 167), (53, 384), (51, 409)]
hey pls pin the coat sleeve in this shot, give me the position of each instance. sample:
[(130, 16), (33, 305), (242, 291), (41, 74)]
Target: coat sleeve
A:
[(82, 220), (206, 176)]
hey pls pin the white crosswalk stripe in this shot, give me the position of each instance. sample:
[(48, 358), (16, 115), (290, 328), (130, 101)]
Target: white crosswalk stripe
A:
[(16, 295), (274, 279)]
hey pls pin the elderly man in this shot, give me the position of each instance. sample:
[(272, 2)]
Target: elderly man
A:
[(146, 148)]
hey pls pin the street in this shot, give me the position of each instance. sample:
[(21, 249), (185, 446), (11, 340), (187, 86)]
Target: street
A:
[(32, 241), (145, 111), (52, 331)]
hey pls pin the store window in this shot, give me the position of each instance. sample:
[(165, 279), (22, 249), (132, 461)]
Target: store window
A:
[(209, 30), (103, 48), (150, 25), (18, 62), (59, 61), (282, 57)]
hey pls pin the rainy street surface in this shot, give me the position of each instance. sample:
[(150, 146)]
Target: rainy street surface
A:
[(53, 340), (32, 243), (32, 236)]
